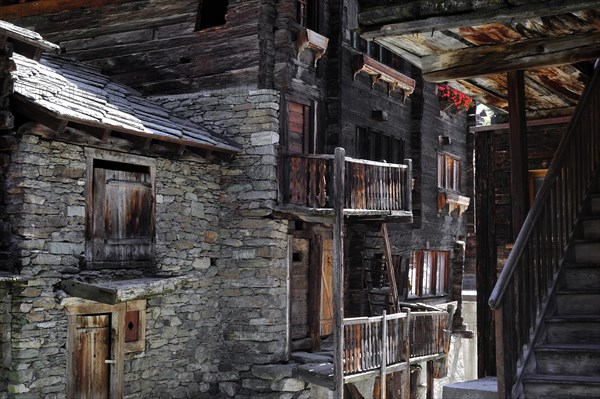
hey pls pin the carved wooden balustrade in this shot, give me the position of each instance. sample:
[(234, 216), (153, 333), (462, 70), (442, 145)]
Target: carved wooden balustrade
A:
[(370, 186)]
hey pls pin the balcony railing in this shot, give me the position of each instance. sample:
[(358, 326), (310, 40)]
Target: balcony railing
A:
[(370, 187), (387, 343)]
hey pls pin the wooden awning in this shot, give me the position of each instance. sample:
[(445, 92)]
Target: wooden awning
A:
[(473, 44), (112, 292)]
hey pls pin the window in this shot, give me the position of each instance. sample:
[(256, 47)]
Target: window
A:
[(448, 170), (306, 14), (377, 52), (376, 146), (211, 13), (428, 273), (120, 210)]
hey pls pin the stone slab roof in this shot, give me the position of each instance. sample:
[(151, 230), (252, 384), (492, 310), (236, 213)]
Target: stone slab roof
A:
[(26, 36), (71, 91)]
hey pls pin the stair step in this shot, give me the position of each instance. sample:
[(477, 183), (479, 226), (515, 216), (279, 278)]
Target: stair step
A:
[(579, 302), (573, 330), (582, 277), (561, 386), (568, 359), (595, 204), (586, 251), (591, 228)]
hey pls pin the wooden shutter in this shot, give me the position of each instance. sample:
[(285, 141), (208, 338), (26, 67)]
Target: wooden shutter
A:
[(123, 230), (298, 128)]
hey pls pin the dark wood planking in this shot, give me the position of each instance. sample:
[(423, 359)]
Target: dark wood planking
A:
[(425, 16), (32, 8), (527, 54)]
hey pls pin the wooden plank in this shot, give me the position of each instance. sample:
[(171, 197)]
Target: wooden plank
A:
[(338, 270), (384, 352), (518, 150), (314, 298), (500, 58), (40, 7), (404, 19), (389, 265)]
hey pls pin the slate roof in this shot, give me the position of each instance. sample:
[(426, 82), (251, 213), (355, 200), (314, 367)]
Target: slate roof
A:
[(26, 36), (74, 92)]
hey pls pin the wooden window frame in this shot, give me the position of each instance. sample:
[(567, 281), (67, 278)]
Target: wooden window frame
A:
[(75, 307), (371, 145), (307, 14), (428, 281), (93, 154), (449, 172)]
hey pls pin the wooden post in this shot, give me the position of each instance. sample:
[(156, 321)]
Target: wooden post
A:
[(384, 350), (500, 374), (389, 264), (338, 271), (406, 343), (519, 187), (408, 188)]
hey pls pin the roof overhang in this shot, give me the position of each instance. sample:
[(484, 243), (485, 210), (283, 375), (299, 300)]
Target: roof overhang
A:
[(472, 45)]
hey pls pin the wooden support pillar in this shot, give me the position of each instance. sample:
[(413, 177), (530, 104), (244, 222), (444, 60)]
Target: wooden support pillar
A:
[(384, 350), (519, 188), (338, 271), (429, 379)]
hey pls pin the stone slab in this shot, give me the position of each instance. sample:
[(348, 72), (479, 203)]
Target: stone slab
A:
[(483, 388)]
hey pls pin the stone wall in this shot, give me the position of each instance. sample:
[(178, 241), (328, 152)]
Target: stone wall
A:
[(45, 206)]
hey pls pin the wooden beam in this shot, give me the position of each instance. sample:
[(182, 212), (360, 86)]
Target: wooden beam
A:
[(40, 7), (519, 188), (407, 18), (486, 96), (338, 271), (500, 58)]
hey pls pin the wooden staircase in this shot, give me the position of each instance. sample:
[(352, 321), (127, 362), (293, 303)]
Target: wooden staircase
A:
[(567, 356)]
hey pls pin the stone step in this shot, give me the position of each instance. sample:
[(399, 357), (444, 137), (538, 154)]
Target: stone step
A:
[(561, 386), (568, 359), (578, 302), (585, 251), (595, 204), (584, 330), (591, 228), (483, 388), (581, 276)]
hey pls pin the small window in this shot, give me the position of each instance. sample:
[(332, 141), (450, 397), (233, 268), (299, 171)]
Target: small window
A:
[(306, 14), (428, 273), (449, 172), (211, 13), (375, 146)]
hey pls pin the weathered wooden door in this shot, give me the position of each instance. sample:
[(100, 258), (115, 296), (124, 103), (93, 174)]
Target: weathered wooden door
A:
[(299, 288), (92, 349), (327, 288)]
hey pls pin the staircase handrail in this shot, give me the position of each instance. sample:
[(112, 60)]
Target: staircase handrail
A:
[(528, 277)]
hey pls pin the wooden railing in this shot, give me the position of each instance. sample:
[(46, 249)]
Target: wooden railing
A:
[(395, 338), (371, 343), (369, 185), (529, 275), (428, 333)]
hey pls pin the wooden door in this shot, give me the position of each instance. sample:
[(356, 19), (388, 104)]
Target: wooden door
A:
[(92, 349), (299, 288), (327, 288)]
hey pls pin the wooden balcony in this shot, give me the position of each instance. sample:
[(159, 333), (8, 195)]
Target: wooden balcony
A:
[(377, 346), (372, 190)]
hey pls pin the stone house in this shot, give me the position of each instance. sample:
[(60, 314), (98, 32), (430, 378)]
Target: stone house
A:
[(214, 277)]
